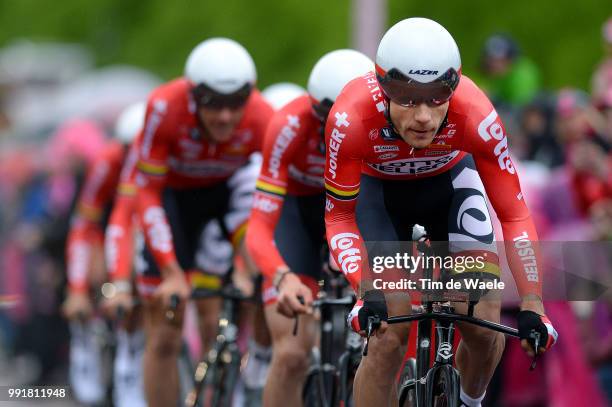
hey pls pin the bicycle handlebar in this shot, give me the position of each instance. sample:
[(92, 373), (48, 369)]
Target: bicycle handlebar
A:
[(454, 317)]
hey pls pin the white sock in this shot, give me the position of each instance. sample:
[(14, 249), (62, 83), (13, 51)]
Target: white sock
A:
[(256, 369), (264, 352), (470, 402)]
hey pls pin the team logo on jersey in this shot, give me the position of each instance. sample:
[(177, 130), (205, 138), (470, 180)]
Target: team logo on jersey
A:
[(437, 149), (387, 156), (373, 134), (491, 127), (189, 149), (264, 204), (328, 205), (413, 166), (283, 139), (388, 134), (336, 140), (349, 256), (385, 148)]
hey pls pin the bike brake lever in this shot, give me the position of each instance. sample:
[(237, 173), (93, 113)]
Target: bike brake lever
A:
[(536, 339), (373, 324), (295, 325)]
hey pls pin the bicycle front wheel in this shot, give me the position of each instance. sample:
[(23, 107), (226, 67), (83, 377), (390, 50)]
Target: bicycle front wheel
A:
[(407, 388), (443, 386)]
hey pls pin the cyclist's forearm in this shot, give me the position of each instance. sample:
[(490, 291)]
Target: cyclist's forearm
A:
[(156, 229), (524, 257)]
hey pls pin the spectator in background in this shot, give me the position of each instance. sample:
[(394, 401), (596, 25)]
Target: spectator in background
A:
[(511, 78), (536, 124), (587, 153), (602, 77)]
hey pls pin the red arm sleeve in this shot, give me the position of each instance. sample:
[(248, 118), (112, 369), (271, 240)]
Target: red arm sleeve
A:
[(282, 140), (152, 169), (486, 140), (85, 231), (119, 238), (342, 177)]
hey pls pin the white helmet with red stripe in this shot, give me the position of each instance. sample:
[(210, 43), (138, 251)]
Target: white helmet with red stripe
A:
[(332, 72), (418, 60)]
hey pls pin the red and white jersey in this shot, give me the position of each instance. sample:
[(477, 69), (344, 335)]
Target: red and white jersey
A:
[(86, 230), (175, 153), (119, 235), (360, 140), (293, 163)]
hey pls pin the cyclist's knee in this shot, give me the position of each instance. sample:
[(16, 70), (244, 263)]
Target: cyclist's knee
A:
[(387, 349), (482, 339), (291, 358)]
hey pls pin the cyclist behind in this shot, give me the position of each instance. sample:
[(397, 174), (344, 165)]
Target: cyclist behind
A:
[(281, 93), (399, 144), (286, 231), (199, 131), (85, 265), (255, 370), (128, 389)]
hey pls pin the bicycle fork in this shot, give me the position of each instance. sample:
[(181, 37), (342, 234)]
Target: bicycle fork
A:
[(445, 333)]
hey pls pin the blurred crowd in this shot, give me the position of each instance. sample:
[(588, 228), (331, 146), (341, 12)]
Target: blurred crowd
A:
[(56, 110)]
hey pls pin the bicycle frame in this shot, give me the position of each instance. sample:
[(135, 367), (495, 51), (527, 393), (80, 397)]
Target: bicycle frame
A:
[(225, 349), (442, 314)]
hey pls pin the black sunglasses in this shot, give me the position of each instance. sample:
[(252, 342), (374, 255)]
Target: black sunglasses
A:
[(206, 97)]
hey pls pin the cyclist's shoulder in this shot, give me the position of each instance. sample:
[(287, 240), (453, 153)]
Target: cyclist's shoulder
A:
[(469, 104), (170, 98), (359, 109), (362, 98)]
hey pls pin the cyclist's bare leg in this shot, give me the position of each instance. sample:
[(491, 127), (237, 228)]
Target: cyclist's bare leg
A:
[(374, 383), (290, 358), (162, 348), (480, 349), (208, 320), (261, 333)]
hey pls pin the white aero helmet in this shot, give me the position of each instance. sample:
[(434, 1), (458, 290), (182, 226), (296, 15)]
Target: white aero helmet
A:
[(418, 62), (130, 122), (331, 73), (279, 94), (222, 73)]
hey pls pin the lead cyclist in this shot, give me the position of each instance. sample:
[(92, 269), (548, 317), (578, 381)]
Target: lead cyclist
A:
[(418, 142)]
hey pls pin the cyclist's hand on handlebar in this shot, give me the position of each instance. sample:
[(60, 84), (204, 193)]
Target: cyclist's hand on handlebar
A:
[(77, 306), (121, 300), (294, 297), (372, 304), (173, 284), (534, 327)]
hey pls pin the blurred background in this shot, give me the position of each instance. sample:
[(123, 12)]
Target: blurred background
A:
[(68, 69)]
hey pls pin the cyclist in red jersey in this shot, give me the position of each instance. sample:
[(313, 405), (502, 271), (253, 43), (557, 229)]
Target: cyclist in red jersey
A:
[(84, 253), (286, 231), (128, 388), (86, 230), (199, 131), (409, 144), (120, 232)]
